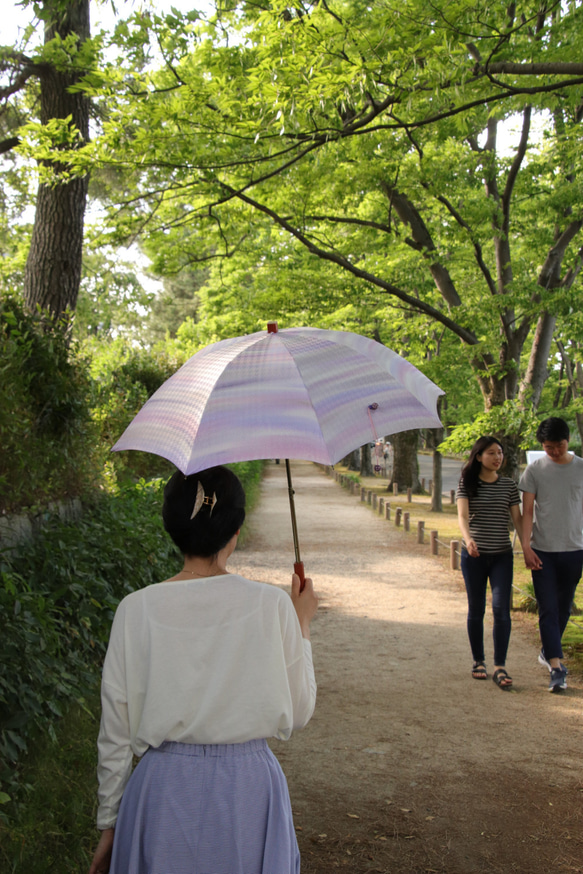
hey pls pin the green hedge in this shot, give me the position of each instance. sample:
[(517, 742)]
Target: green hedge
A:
[(58, 595), (45, 421)]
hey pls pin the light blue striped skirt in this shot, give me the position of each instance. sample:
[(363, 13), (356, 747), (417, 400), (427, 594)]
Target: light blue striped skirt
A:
[(206, 809)]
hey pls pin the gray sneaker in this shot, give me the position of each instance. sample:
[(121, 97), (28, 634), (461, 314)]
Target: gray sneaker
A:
[(558, 680), (542, 660)]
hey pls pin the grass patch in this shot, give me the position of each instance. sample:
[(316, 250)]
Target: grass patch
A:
[(52, 827)]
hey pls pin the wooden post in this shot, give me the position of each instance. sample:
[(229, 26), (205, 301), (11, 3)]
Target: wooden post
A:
[(406, 520), (362, 493), (388, 511), (423, 483), (430, 487), (381, 506), (452, 496), (395, 488), (374, 500), (453, 556), (409, 495), (398, 513), (369, 496), (434, 543), (420, 531)]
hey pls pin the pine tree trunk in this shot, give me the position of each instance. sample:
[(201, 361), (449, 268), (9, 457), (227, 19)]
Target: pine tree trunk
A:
[(53, 268)]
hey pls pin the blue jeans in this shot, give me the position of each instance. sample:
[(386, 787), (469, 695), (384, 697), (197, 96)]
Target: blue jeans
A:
[(497, 567), (554, 587)]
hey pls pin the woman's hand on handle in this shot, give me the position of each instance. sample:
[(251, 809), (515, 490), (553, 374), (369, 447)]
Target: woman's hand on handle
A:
[(305, 603)]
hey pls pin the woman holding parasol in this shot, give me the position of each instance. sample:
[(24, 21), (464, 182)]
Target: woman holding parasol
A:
[(199, 671)]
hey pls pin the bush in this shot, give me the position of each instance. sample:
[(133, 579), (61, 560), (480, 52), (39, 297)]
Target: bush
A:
[(58, 595), (123, 378), (47, 444)]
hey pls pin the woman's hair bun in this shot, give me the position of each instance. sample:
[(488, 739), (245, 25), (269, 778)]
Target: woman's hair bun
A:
[(203, 511)]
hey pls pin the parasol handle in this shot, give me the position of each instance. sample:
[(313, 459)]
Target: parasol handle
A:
[(299, 570), (298, 565)]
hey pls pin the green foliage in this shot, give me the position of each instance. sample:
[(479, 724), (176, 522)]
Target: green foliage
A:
[(112, 301), (340, 166), (123, 378), (509, 418), (54, 831), (47, 443), (58, 594), (177, 302), (57, 598)]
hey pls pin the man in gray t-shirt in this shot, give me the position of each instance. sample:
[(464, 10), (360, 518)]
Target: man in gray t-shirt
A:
[(552, 538)]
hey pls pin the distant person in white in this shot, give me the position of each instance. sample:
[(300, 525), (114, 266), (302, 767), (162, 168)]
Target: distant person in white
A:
[(552, 526)]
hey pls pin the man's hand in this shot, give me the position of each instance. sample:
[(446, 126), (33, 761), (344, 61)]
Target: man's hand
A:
[(531, 559)]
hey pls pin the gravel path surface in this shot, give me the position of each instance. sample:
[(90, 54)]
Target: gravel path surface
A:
[(410, 765)]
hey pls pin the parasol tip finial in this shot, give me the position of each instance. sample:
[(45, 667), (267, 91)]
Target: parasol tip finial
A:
[(272, 327)]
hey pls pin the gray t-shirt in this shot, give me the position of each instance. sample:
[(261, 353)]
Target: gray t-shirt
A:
[(558, 504)]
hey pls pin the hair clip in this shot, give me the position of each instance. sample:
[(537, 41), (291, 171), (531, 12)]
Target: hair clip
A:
[(201, 499)]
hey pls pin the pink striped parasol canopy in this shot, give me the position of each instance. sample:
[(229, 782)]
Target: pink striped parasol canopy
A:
[(303, 393)]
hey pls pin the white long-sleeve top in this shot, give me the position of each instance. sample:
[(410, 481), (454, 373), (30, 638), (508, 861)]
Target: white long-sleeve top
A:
[(214, 660)]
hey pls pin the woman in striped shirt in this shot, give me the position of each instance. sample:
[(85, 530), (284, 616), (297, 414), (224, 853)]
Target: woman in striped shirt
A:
[(485, 502)]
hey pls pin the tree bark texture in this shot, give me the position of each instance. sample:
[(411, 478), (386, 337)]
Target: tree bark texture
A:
[(352, 460), (436, 494), (405, 464), (53, 268), (365, 460), (435, 438)]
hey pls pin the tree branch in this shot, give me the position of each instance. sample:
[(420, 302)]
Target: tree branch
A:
[(477, 247), (546, 68), (410, 215), (550, 274), (515, 167), (415, 304), (8, 144)]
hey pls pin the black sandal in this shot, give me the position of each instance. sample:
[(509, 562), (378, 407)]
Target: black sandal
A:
[(500, 676), (479, 671)]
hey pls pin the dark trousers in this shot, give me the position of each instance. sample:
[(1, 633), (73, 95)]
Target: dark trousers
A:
[(554, 587), (496, 567)]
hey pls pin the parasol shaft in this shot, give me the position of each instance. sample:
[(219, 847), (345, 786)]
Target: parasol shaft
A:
[(298, 564)]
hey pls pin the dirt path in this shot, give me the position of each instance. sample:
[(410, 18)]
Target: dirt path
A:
[(408, 764)]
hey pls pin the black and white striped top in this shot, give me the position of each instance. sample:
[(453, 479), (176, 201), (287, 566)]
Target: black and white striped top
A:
[(490, 513)]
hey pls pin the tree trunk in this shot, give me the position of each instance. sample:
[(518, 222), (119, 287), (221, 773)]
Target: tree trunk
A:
[(365, 460), (53, 268), (537, 370), (352, 460), (405, 464), (511, 445), (575, 379), (436, 494), (436, 437)]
